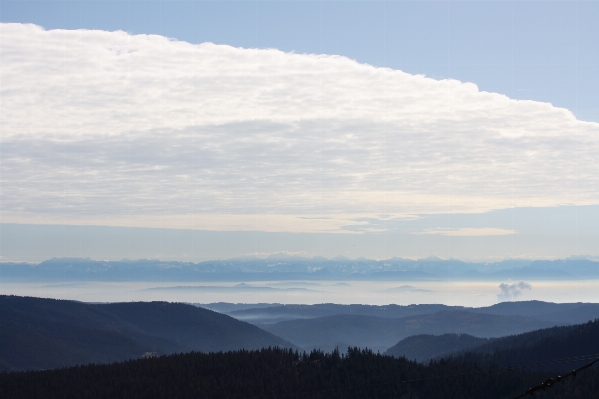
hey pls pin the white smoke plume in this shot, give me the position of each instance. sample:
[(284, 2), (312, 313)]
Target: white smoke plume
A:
[(512, 291)]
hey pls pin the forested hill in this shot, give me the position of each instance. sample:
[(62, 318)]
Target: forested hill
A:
[(540, 346), (38, 333), (535, 346), (253, 374)]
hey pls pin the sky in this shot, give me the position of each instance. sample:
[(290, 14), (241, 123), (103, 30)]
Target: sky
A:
[(203, 130)]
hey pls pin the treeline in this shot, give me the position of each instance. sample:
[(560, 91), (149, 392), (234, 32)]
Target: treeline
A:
[(276, 372)]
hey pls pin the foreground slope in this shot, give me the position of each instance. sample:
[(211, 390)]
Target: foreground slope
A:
[(280, 373), (46, 333)]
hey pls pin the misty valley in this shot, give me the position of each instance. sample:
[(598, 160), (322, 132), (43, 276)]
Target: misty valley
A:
[(284, 326), (62, 348)]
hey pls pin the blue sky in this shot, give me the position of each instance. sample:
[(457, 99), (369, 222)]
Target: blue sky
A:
[(542, 233), (117, 145)]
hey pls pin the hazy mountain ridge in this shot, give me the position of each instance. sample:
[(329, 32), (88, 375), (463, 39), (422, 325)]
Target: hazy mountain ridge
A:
[(560, 313), (313, 326), (540, 346), (227, 307), (568, 313), (380, 333), (273, 314), (47, 333), (294, 267)]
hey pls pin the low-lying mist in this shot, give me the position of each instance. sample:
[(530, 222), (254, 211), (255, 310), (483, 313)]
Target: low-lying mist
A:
[(467, 293)]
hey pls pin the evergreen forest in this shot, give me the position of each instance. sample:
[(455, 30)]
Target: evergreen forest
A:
[(284, 373)]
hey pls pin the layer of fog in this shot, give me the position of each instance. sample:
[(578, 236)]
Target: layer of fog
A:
[(473, 294)]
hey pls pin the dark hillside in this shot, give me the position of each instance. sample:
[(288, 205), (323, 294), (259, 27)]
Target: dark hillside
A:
[(576, 340), (252, 374), (524, 340), (46, 333), (425, 347), (191, 327), (48, 344), (540, 346)]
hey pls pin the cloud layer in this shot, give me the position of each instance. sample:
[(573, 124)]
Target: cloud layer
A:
[(115, 129), (468, 232)]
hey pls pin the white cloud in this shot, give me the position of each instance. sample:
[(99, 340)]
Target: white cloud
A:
[(468, 232), (115, 129)]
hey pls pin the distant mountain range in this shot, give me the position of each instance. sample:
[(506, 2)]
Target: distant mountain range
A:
[(297, 268), (557, 313), (40, 333)]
